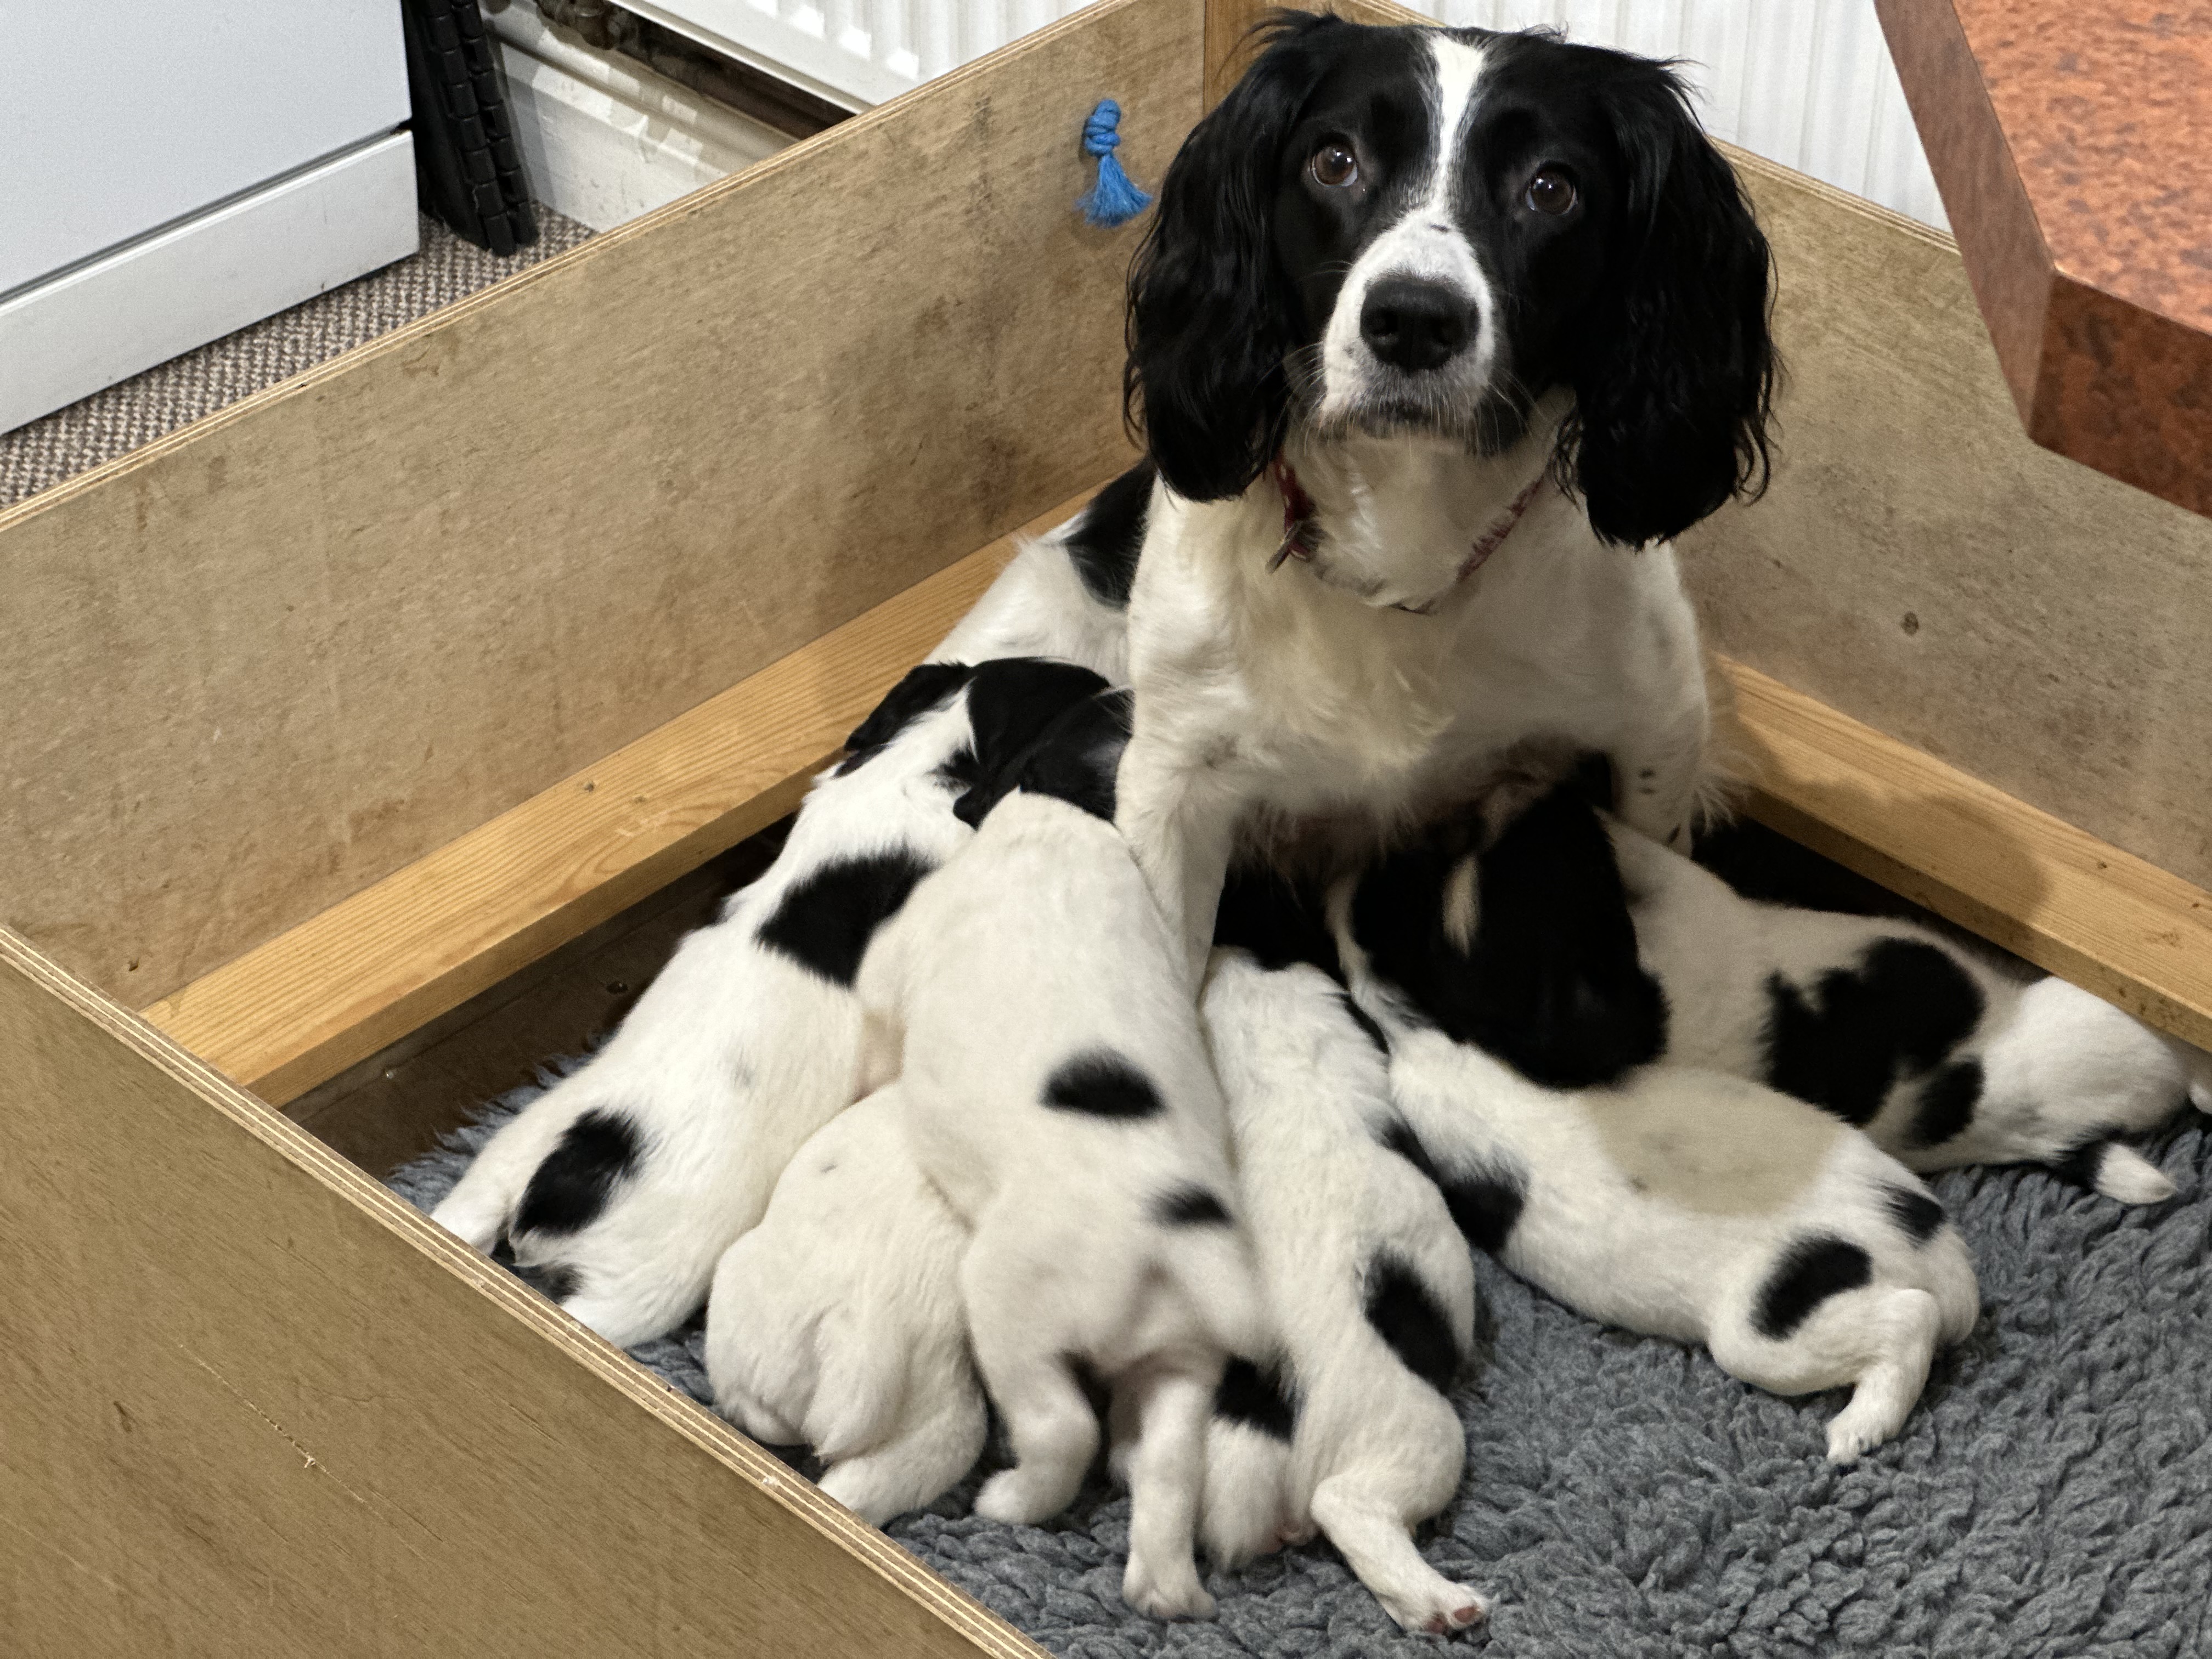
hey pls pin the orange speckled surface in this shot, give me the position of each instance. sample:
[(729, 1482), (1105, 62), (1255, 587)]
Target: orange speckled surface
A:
[(2073, 142)]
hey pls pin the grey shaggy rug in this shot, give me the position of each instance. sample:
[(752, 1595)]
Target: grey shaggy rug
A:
[(2051, 1496)]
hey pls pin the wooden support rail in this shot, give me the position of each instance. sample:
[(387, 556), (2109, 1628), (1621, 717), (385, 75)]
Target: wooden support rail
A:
[(2074, 905)]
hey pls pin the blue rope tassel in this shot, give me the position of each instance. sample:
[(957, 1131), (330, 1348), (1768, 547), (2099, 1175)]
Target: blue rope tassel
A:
[(1113, 200)]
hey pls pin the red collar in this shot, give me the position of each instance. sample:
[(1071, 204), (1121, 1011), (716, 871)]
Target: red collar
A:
[(1299, 514)]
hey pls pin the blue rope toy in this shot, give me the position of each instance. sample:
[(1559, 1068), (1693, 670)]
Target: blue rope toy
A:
[(1115, 199)]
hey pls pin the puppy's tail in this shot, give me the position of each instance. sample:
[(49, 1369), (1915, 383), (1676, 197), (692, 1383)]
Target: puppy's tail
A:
[(1247, 1509)]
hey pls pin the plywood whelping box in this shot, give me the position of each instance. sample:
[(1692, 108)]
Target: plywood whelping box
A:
[(325, 713)]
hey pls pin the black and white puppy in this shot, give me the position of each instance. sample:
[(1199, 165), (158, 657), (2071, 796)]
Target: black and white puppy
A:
[(619, 1189), (1940, 1057), (1434, 331), (1676, 1202), (1349, 1428), (1030, 1001)]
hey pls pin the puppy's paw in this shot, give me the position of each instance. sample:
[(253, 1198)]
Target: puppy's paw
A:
[(1012, 1496), (1849, 1441), (2128, 1176), (1443, 1609), (1174, 1593)]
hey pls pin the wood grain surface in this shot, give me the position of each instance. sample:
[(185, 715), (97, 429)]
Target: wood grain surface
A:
[(259, 1406)]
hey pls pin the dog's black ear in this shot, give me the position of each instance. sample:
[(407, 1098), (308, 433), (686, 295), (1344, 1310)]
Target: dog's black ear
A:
[(925, 686), (1674, 372), (1211, 314), (1559, 990), (1012, 699), (1075, 758), (1529, 954)]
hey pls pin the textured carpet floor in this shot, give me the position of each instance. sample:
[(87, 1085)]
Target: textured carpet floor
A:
[(2050, 1499), (137, 410)]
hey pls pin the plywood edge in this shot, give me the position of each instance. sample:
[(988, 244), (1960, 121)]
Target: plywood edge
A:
[(2075, 905), (348, 981), (968, 1619)]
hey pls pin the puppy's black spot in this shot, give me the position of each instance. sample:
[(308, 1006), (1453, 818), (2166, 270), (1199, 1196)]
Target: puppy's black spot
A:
[(1368, 1028), (2080, 1164), (1918, 1216), (1279, 921), (1810, 1272), (1550, 982), (1074, 759), (1946, 1104), (1256, 1398), (1189, 1207), (1900, 1009), (925, 688), (1107, 538), (1485, 1199), (1397, 1136), (1101, 1084), (570, 1187), (824, 921), (556, 1281), (1405, 1314)]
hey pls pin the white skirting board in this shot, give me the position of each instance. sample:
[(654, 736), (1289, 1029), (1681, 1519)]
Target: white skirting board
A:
[(604, 138), (204, 276)]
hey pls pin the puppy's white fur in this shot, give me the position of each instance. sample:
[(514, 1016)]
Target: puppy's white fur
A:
[(736, 1054), (1672, 1204), (1034, 967), (1375, 1450), (2061, 1071), (1298, 694), (836, 1322)]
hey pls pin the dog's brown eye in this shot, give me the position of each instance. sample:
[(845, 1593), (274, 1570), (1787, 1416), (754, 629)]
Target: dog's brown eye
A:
[(1552, 191), (1335, 166)]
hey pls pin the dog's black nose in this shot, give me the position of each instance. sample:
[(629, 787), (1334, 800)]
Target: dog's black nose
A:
[(1414, 324)]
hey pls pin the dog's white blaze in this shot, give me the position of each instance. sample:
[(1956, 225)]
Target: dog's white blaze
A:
[(1425, 243)]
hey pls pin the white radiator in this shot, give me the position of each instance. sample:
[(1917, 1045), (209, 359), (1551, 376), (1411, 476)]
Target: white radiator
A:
[(1808, 83), (1805, 82)]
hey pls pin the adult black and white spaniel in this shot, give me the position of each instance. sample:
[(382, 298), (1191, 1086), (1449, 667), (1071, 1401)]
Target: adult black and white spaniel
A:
[(1437, 338)]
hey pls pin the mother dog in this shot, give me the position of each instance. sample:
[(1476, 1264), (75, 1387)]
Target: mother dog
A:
[(1438, 337)]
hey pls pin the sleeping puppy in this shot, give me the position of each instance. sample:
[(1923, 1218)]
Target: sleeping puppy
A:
[(1370, 1289), (1896, 1028), (619, 1189), (1676, 1202), (836, 1322), (1030, 1001), (1433, 329)]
